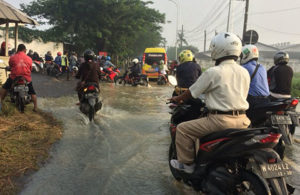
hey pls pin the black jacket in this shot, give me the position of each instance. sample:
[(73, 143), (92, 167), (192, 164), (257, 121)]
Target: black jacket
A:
[(187, 73), (280, 79)]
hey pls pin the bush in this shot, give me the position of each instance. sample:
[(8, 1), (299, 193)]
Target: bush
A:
[(296, 85)]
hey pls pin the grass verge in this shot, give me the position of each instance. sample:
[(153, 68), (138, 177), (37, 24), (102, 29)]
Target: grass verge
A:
[(25, 140), (296, 85)]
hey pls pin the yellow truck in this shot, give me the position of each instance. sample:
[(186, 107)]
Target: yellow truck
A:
[(151, 61)]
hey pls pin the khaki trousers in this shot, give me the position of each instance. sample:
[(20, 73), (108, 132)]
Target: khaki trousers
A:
[(188, 132)]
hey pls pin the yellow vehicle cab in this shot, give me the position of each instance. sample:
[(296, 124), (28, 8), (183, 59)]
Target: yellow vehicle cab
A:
[(151, 59)]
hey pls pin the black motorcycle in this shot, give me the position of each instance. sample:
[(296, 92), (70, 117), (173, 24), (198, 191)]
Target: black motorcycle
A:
[(90, 102), (279, 114), (233, 161), (19, 92), (53, 69)]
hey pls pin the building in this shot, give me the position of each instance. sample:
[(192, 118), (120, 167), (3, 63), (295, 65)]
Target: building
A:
[(266, 54)]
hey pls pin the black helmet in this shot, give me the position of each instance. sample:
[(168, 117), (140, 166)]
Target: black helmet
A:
[(89, 55), (281, 58)]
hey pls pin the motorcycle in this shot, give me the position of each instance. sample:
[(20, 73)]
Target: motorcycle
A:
[(233, 161), (162, 79), (141, 79), (19, 92), (280, 114), (109, 74), (54, 70), (37, 66), (90, 102)]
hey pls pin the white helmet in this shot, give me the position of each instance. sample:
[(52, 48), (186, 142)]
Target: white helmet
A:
[(75, 68), (249, 52), (225, 44), (135, 61)]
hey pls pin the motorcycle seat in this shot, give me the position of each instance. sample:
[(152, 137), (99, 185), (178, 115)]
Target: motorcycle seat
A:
[(269, 105), (231, 133)]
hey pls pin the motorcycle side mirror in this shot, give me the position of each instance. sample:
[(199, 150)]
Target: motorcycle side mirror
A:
[(172, 80)]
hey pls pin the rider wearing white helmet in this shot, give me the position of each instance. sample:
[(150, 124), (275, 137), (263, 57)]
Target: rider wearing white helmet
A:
[(135, 68), (226, 88), (259, 89)]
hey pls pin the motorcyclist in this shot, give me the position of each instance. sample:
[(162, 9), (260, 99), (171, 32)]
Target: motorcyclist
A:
[(163, 67), (135, 69), (226, 88), (259, 89), (187, 72), (108, 63), (89, 72), (20, 65), (280, 76)]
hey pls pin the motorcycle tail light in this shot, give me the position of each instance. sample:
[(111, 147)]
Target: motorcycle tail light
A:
[(271, 138), (294, 102), (91, 88), (280, 112), (21, 82), (272, 160)]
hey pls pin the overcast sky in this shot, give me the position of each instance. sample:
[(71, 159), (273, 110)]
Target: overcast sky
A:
[(275, 20)]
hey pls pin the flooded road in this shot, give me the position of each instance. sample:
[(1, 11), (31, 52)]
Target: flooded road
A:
[(123, 152)]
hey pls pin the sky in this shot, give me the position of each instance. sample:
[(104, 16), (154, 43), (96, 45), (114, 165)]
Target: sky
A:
[(276, 21)]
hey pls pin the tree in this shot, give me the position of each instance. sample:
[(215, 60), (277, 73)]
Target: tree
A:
[(171, 50), (120, 27)]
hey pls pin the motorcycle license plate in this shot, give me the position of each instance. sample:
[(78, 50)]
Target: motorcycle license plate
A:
[(276, 170), (20, 88), (281, 120)]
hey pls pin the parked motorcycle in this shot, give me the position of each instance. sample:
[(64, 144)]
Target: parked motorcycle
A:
[(54, 70), (90, 102), (233, 161)]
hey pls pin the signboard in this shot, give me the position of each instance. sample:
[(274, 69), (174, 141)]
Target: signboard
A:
[(250, 37), (102, 53)]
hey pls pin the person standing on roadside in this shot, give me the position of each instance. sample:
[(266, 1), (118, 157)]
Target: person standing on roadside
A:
[(65, 64), (20, 65)]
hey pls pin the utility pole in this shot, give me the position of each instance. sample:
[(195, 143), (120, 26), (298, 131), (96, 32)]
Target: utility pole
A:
[(229, 12), (181, 38), (205, 41), (246, 18)]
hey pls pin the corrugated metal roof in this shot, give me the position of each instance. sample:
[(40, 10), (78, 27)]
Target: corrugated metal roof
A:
[(9, 13)]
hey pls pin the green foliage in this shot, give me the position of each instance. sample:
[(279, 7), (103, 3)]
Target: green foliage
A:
[(120, 27), (171, 50), (296, 85)]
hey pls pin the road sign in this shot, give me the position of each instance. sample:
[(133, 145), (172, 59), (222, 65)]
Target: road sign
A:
[(250, 37)]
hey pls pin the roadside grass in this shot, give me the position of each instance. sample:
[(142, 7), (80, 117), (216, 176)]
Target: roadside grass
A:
[(25, 140), (296, 85)]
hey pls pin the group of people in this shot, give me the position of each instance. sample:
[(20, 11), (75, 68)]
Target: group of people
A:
[(231, 91)]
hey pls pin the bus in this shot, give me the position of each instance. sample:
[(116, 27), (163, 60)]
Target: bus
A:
[(151, 60)]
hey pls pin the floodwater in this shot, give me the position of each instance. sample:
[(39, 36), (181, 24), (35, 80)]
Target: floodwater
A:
[(124, 151)]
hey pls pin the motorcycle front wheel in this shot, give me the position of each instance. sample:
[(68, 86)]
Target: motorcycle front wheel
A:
[(173, 155), (119, 81)]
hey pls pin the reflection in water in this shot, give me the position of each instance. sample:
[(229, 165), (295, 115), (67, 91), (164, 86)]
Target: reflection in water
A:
[(123, 152)]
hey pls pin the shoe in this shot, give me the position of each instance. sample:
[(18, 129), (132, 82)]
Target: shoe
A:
[(182, 167)]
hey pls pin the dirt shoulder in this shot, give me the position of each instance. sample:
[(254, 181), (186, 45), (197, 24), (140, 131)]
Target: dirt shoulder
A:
[(25, 139)]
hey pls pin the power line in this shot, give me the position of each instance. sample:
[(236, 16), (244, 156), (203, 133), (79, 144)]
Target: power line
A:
[(274, 11), (272, 30)]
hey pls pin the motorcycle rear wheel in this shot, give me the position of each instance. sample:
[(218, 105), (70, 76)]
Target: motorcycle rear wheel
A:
[(91, 113), (173, 155), (251, 184), (20, 104), (119, 81)]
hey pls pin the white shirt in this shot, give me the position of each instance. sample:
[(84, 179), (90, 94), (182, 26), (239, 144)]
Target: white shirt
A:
[(225, 87)]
